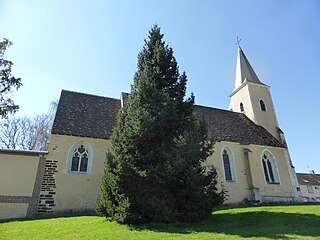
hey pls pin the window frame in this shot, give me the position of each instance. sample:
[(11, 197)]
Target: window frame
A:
[(232, 168), (270, 168), (262, 105), (310, 189), (70, 157), (241, 107)]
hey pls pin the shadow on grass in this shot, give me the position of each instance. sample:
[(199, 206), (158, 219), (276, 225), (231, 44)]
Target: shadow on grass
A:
[(50, 216), (254, 224)]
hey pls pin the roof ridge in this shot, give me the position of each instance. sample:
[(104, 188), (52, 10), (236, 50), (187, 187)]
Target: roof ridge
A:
[(89, 94), (219, 109)]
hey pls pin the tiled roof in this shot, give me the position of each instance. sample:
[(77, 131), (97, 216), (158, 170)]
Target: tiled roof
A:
[(308, 179), (87, 115), (80, 114), (231, 126)]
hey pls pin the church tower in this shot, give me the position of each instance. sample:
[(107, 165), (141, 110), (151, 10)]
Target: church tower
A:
[(252, 97)]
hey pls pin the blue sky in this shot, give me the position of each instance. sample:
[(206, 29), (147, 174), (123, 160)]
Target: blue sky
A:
[(91, 46)]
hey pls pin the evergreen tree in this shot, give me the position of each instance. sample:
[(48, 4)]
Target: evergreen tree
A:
[(153, 172)]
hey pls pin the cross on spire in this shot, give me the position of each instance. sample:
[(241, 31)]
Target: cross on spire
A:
[(238, 41)]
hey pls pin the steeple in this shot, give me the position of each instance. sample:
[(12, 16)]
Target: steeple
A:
[(251, 97), (244, 71)]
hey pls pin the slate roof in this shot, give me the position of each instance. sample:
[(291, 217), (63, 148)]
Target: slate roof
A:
[(80, 114), (308, 179), (244, 71), (85, 115), (224, 125)]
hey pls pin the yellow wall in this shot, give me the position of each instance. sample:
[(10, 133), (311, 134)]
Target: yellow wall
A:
[(78, 192), (266, 119), (13, 210), (242, 96), (18, 171), (250, 95), (17, 174), (239, 189), (74, 191)]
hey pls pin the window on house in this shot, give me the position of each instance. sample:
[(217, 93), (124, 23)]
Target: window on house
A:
[(228, 164), (270, 169), (79, 158), (310, 189), (262, 106), (241, 107)]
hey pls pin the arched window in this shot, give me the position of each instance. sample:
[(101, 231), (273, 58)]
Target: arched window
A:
[(79, 158), (262, 106), (270, 168), (228, 165), (79, 161), (241, 107)]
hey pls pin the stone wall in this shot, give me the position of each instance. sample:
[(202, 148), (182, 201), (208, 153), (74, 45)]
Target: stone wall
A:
[(48, 186)]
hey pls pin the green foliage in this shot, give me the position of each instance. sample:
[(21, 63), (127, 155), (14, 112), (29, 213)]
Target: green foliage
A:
[(7, 82), (153, 172)]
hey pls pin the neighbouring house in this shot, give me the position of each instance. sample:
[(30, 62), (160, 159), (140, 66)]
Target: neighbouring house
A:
[(250, 152), (309, 186)]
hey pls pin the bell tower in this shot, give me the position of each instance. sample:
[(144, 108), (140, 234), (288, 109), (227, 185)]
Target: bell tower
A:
[(252, 97)]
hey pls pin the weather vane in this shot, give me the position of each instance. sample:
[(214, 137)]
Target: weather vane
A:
[(238, 41)]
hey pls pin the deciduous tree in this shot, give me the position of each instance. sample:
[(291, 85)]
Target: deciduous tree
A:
[(27, 133), (8, 83)]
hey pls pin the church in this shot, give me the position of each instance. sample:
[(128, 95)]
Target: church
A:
[(250, 152)]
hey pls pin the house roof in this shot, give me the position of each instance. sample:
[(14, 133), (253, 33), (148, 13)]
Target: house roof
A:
[(308, 178), (80, 114)]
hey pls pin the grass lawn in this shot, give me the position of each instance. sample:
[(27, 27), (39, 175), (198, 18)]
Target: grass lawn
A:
[(265, 222)]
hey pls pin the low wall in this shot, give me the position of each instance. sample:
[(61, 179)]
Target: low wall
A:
[(20, 180)]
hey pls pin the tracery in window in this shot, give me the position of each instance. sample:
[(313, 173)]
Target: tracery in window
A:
[(79, 158), (270, 168)]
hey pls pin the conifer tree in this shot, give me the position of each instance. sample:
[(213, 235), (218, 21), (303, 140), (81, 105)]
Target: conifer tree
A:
[(153, 172)]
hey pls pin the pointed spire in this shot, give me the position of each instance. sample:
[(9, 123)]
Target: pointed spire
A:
[(244, 71)]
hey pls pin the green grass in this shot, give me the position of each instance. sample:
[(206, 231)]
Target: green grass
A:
[(265, 222)]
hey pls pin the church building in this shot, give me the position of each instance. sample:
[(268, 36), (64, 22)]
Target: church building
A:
[(250, 151)]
